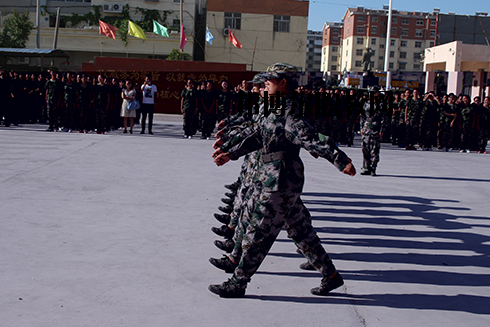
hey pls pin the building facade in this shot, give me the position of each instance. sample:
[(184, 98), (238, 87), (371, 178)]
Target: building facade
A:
[(269, 30), (314, 51), (331, 49), (83, 41)]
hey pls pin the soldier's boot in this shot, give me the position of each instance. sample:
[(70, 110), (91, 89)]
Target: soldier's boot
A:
[(328, 284), (306, 266), (228, 289), (373, 172), (226, 246), (224, 231), (224, 263), (224, 219), (233, 187), (227, 201), (365, 171), (227, 209), (231, 195)]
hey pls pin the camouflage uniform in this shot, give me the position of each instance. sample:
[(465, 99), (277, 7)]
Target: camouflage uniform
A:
[(371, 120), (429, 119), (446, 131), (413, 121), (484, 128), (189, 108), (278, 183), (468, 128)]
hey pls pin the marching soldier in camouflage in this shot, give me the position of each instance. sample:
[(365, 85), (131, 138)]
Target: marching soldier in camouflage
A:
[(412, 120), (278, 182), (372, 120)]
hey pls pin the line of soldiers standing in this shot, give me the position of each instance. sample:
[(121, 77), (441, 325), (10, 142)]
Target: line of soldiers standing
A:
[(69, 102)]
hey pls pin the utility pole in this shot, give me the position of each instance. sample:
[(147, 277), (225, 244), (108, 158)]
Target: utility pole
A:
[(38, 24), (55, 41), (387, 50)]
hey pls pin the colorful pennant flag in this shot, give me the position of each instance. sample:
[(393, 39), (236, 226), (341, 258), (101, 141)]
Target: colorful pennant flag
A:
[(107, 30), (233, 39), (183, 38), (136, 31), (160, 29), (209, 36)]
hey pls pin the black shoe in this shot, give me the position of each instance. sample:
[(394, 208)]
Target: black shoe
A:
[(224, 219), (366, 172), (226, 246), (231, 195), (224, 231), (328, 284), (227, 209), (223, 264), (228, 290), (48, 130), (150, 132), (373, 173), (142, 132), (306, 266), (298, 251), (227, 201), (233, 186)]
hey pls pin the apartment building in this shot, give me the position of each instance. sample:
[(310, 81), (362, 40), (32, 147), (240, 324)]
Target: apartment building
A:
[(269, 30), (331, 49), (314, 51), (411, 33)]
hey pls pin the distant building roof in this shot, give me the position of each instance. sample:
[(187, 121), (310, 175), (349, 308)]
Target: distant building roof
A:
[(24, 52)]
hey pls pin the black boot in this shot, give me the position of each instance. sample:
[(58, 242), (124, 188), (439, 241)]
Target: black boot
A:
[(328, 284), (224, 219), (306, 266), (231, 195), (233, 186), (228, 289), (226, 245), (227, 209), (227, 201), (224, 264), (224, 231)]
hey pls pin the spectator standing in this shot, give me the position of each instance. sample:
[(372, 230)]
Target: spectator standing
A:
[(128, 94), (148, 104)]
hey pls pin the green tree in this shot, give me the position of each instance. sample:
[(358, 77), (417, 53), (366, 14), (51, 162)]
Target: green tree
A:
[(175, 54), (16, 30)]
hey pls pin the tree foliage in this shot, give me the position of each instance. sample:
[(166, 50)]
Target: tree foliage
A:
[(175, 54), (16, 30)]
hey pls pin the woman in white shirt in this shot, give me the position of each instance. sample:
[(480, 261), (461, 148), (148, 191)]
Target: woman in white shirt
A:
[(128, 95)]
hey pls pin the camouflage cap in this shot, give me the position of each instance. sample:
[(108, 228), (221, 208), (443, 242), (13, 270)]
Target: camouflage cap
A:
[(257, 79), (281, 70)]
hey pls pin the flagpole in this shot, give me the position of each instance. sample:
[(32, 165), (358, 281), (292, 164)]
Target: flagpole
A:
[(181, 21)]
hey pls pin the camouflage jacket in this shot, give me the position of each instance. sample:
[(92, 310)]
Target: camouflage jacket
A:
[(372, 119)]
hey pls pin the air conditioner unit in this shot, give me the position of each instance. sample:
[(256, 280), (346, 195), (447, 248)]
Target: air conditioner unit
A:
[(226, 31), (113, 7)]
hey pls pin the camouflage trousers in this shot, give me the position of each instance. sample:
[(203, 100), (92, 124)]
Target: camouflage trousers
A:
[(263, 219), (370, 152), (412, 133), (446, 133), (483, 136)]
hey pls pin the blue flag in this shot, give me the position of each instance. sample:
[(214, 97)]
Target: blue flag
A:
[(209, 36)]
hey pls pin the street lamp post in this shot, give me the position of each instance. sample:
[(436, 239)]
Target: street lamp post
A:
[(387, 50)]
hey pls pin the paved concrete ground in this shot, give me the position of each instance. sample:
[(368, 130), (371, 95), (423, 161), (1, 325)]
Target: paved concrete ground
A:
[(114, 230)]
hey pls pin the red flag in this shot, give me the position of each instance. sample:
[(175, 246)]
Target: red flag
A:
[(233, 39), (183, 38), (107, 29)]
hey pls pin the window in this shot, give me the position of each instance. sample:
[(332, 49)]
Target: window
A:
[(361, 18), (233, 20), (392, 43), (347, 42), (335, 39), (402, 65), (432, 33), (432, 22), (390, 65), (393, 31), (374, 29), (418, 33), (335, 31), (404, 32), (393, 20), (358, 63), (281, 23), (392, 54), (310, 57), (404, 21), (335, 49), (375, 19), (403, 55), (418, 44), (334, 58), (420, 22), (176, 23), (348, 30), (373, 41), (416, 55), (416, 66), (383, 23), (431, 44), (346, 53), (373, 52), (359, 52), (380, 58), (333, 67), (360, 40), (403, 43), (381, 46), (360, 29)]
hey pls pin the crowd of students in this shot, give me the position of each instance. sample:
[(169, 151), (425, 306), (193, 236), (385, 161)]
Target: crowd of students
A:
[(75, 102)]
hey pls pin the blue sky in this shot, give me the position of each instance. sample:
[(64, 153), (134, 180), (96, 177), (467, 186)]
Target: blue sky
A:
[(322, 11)]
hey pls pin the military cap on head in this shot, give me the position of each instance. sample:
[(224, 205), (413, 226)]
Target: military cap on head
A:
[(257, 79), (282, 70)]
